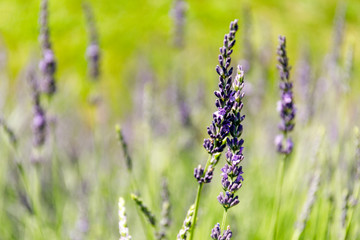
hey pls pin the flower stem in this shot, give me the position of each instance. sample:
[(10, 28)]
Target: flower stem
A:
[(278, 196), (197, 201), (224, 220)]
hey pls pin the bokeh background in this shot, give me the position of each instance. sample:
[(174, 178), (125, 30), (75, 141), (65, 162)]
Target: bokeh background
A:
[(161, 93)]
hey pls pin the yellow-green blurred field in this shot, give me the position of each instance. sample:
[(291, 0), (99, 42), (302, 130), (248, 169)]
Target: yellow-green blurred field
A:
[(145, 83)]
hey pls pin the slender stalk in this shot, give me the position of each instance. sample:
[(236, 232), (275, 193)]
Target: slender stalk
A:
[(277, 204), (224, 219), (197, 201)]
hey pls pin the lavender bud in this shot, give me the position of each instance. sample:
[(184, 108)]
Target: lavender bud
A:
[(216, 233)]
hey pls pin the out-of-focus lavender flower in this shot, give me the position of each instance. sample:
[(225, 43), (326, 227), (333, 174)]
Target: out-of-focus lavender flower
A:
[(47, 65), (216, 233), (232, 171), (303, 77), (93, 49), (338, 31), (123, 229), (285, 106), (165, 212), (39, 123), (187, 224), (178, 13), (310, 200)]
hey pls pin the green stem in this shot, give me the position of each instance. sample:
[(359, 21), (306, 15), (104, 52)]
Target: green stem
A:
[(278, 196), (197, 201), (223, 220)]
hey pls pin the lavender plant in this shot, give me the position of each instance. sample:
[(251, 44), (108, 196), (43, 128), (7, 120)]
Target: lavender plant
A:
[(232, 171), (48, 63), (93, 49), (221, 125), (287, 111), (285, 106), (39, 123), (178, 14)]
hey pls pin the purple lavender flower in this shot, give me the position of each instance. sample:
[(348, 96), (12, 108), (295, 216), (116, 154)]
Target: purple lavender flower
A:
[(39, 122), (93, 50), (178, 14), (48, 63), (232, 171), (220, 127), (285, 106), (216, 233)]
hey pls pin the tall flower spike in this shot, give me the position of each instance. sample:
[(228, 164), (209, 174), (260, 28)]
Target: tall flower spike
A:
[(285, 106), (219, 129), (123, 229), (232, 171), (93, 49), (187, 224), (39, 123), (178, 13), (216, 233), (48, 63)]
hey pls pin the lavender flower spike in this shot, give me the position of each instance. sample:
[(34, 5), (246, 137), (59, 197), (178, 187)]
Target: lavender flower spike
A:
[(216, 233), (232, 171), (286, 106), (48, 63), (220, 126), (93, 49), (39, 123)]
